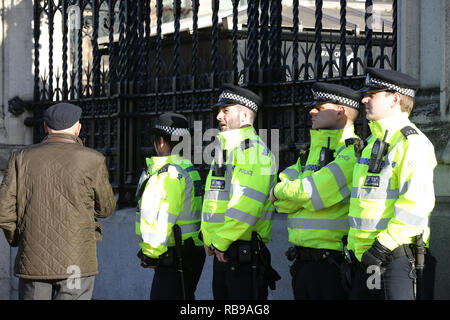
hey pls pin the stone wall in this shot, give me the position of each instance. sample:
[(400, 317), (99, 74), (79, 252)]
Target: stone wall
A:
[(427, 116)]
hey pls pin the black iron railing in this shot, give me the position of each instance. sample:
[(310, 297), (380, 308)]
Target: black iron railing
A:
[(118, 62)]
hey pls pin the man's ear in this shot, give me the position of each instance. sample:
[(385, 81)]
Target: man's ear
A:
[(245, 115), (45, 127), (78, 130), (397, 98), (340, 112)]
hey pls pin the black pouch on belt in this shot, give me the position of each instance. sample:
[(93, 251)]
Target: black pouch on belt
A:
[(240, 252), (167, 259), (244, 253)]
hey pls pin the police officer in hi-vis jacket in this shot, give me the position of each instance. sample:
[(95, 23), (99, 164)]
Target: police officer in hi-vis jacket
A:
[(237, 213), (392, 194), (168, 216), (315, 194)]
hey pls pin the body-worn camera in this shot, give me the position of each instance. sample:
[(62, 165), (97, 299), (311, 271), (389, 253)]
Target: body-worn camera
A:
[(326, 155), (219, 167), (379, 150)]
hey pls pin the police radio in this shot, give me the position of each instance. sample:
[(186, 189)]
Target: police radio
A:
[(379, 150), (326, 155)]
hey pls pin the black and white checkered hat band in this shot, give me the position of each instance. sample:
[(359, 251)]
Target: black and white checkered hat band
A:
[(378, 83), (326, 96), (175, 131), (239, 100)]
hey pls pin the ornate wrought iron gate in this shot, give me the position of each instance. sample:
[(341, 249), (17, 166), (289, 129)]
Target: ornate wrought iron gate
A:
[(124, 64)]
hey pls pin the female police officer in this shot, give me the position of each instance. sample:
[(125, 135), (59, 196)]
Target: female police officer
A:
[(169, 215)]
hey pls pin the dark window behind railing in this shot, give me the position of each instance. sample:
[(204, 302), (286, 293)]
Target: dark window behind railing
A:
[(127, 61)]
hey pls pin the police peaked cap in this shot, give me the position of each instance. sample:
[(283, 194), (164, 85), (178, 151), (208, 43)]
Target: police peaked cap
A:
[(334, 93), (390, 80), (232, 94), (172, 124), (62, 115)]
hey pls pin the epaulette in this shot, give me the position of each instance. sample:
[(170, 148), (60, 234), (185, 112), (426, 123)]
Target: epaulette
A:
[(406, 131), (247, 143), (359, 145), (350, 141), (165, 168)]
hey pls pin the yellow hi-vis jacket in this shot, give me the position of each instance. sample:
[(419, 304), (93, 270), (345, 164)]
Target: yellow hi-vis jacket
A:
[(172, 196), (237, 203), (393, 205), (317, 199)]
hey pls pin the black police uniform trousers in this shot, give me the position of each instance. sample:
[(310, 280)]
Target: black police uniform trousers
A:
[(166, 283), (396, 283), (234, 281), (317, 280)]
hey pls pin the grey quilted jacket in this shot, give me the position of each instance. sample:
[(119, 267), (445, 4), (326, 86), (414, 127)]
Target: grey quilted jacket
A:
[(49, 199)]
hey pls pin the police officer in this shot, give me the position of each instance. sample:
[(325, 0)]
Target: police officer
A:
[(237, 214), (168, 216), (392, 194), (313, 194)]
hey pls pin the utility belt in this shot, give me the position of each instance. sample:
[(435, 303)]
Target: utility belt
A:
[(314, 255), (253, 253), (404, 250), (169, 258), (415, 252), (408, 250)]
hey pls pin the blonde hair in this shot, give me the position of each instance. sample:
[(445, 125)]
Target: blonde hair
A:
[(406, 102)]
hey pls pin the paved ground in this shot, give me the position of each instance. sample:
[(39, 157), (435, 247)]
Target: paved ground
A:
[(121, 277)]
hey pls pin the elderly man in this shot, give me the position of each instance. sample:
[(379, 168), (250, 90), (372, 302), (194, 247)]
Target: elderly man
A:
[(49, 201)]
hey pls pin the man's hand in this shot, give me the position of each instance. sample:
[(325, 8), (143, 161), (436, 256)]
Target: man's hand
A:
[(377, 255), (208, 250), (147, 262), (220, 256), (272, 197)]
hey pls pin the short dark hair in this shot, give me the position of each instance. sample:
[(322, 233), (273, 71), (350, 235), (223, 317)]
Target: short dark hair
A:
[(166, 137)]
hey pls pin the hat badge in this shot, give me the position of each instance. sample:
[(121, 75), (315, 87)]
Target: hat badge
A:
[(367, 82)]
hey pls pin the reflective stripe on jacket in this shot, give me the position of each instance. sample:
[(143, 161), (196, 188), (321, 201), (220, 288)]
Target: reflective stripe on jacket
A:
[(393, 205), (317, 201), (237, 203), (172, 195)]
